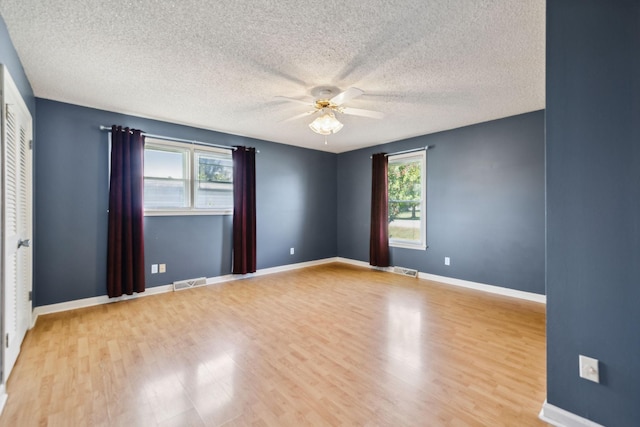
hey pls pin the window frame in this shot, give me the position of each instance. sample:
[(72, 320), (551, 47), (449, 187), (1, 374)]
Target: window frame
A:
[(191, 173), (409, 244)]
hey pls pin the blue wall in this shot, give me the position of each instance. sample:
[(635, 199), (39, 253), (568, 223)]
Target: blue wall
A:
[(593, 206), (485, 203), (485, 209), (296, 203)]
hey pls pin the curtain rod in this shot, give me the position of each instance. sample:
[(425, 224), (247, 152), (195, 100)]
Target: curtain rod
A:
[(169, 138), (425, 148)]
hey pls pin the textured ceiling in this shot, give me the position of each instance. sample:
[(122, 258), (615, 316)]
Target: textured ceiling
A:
[(429, 65)]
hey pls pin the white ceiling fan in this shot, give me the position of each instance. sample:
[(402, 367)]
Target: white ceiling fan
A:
[(329, 100)]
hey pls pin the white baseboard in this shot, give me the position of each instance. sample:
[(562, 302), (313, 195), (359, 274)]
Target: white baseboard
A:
[(220, 279), (88, 302), (290, 267), (354, 262), (560, 418), (104, 299), (529, 296), (3, 397)]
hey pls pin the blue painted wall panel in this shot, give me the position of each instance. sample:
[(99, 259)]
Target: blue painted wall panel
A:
[(593, 206), (485, 203), (296, 202)]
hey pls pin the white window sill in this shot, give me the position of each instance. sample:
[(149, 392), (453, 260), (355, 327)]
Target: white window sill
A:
[(178, 212), (402, 245)]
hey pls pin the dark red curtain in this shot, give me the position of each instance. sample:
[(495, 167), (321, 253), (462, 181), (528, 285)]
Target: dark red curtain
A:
[(244, 210), (125, 245), (379, 237)]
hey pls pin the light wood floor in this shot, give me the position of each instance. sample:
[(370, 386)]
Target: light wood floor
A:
[(331, 345)]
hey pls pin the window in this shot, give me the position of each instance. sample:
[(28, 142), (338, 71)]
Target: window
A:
[(166, 177), (407, 200), (214, 180), (180, 179)]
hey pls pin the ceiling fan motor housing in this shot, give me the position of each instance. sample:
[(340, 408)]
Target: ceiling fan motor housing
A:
[(324, 92)]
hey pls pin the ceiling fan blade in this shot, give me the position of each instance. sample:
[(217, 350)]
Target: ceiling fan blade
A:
[(307, 113), (308, 101), (362, 113), (349, 94)]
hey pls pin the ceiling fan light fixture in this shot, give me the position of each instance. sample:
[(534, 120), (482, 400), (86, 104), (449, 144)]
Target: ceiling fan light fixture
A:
[(326, 124)]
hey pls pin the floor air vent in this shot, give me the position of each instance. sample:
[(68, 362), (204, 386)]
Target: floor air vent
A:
[(405, 271), (189, 283)]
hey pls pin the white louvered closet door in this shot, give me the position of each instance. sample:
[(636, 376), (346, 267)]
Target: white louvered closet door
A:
[(17, 222)]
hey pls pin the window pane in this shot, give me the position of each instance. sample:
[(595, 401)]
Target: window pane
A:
[(166, 182), (404, 221), (166, 193), (160, 163), (406, 192), (214, 180)]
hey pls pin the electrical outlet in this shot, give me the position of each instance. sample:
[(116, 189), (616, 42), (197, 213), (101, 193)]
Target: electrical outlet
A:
[(163, 268), (447, 260), (589, 368), (292, 251), (154, 268)]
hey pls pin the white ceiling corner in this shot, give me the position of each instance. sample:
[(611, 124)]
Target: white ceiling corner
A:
[(429, 65)]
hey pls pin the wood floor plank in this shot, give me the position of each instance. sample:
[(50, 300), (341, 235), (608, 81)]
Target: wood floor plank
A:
[(332, 345)]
